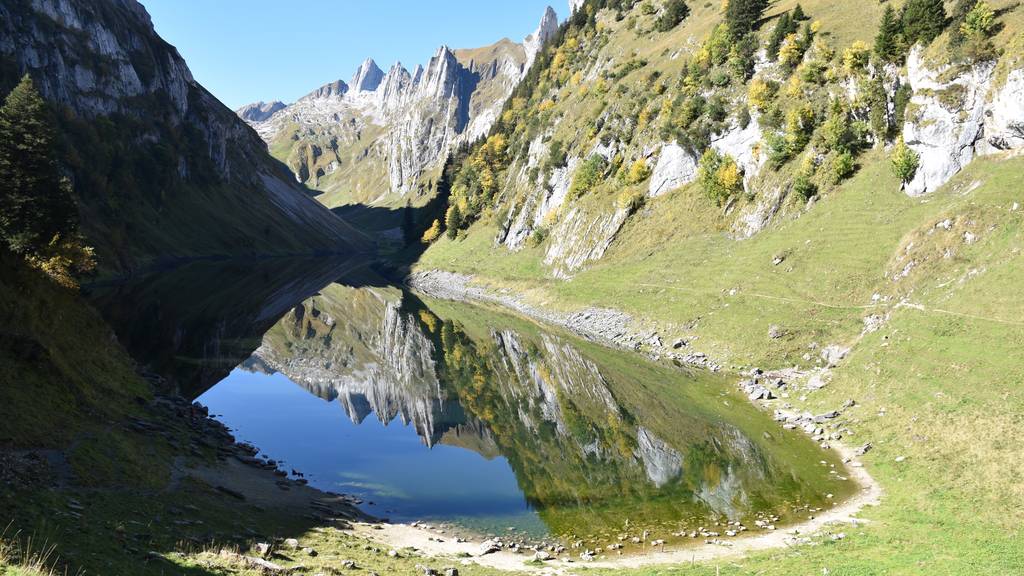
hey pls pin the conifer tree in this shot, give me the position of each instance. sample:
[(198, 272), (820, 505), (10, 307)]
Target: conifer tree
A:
[(743, 16), (887, 42), (35, 202), (923, 20), (782, 28)]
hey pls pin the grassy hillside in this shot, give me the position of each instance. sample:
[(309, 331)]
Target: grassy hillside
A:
[(936, 384)]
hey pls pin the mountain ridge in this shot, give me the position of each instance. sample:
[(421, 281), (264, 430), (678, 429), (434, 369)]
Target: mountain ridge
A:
[(388, 132)]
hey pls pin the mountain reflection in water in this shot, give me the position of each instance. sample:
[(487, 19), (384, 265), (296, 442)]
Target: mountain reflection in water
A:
[(504, 423)]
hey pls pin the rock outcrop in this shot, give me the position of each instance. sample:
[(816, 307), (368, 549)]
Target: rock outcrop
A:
[(535, 42), (367, 78), (182, 175), (952, 120), (1004, 120), (259, 111), (581, 237), (676, 166), (945, 120)]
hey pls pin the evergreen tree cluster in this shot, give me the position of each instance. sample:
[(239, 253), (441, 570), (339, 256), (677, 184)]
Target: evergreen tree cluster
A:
[(744, 16), (675, 12), (919, 21), (788, 23), (35, 204), (38, 213)]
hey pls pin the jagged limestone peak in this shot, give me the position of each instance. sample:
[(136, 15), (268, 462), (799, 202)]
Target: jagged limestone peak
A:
[(367, 78), (547, 28)]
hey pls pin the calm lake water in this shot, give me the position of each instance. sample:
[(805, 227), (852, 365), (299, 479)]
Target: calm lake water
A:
[(447, 412)]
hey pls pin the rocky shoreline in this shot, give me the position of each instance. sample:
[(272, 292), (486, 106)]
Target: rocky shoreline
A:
[(602, 325)]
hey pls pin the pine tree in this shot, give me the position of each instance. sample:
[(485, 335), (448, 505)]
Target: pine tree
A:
[(923, 20), (35, 202), (743, 16), (782, 28), (453, 220), (675, 12), (798, 13), (887, 44)]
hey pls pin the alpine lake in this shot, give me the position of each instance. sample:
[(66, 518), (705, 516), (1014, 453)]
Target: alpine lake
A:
[(464, 416)]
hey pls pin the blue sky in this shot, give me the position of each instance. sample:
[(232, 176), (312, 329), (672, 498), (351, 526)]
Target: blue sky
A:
[(249, 50)]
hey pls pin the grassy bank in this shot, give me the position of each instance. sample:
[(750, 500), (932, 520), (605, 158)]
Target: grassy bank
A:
[(937, 385)]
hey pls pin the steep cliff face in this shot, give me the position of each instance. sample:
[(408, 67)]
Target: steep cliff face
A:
[(162, 169), (383, 136)]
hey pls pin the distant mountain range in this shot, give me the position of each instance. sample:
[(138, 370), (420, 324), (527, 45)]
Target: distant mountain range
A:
[(384, 135)]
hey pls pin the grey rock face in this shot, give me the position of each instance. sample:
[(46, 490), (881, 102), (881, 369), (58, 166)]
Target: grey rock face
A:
[(662, 462), (259, 111), (1004, 122), (335, 89), (367, 77), (535, 42), (580, 238), (950, 121), (676, 166)]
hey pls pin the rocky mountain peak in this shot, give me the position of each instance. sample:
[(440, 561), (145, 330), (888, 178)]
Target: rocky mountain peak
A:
[(393, 89), (367, 78), (438, 79), (335, 89), (259, 111), (547, 28)]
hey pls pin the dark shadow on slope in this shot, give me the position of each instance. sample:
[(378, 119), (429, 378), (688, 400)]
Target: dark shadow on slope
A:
[(189, 327), (398, 231)]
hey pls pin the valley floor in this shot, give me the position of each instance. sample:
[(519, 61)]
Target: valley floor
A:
[(923, 293)]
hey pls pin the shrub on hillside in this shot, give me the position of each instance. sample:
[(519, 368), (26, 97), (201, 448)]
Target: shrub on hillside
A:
[(904, 161), (588, 175), (631, 200), (841, 167), (432, 233), (856, 57), (804, 186), (719, 176), (675, 12), (638, 172)]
